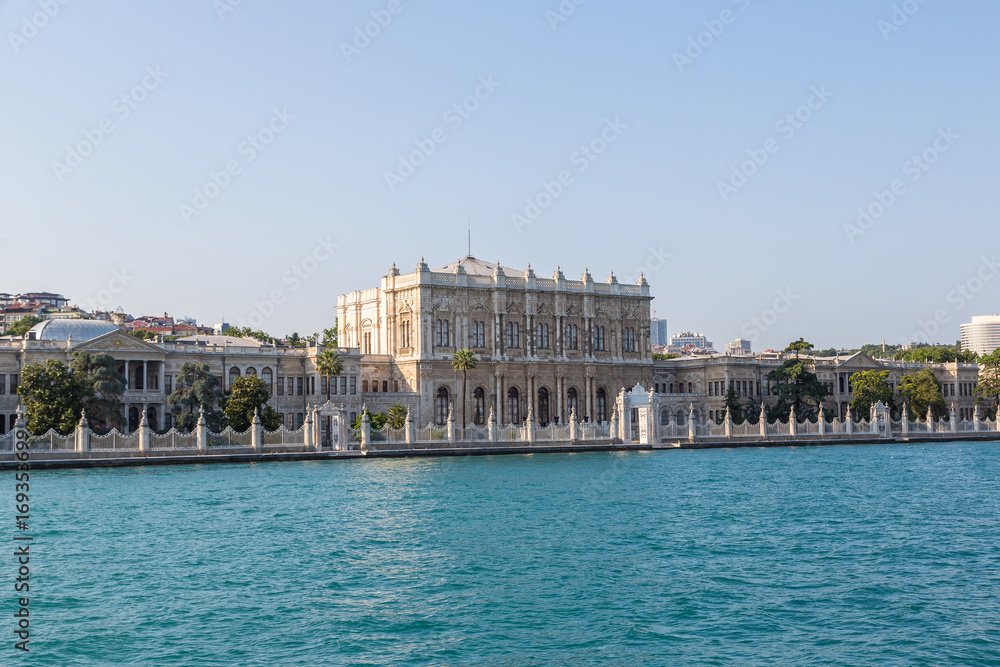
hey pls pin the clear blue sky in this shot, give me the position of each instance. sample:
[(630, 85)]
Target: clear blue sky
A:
[(887, 95)]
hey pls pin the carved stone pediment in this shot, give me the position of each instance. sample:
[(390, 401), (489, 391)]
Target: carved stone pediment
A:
[(118, 341)]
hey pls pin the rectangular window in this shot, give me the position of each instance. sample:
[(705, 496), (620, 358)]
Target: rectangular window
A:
[(168, 383), (354, 384), (690, 388), (13, 383), (281, 386), (3, 384), (385, 385), (671, 388), (298, 385), (343, 384), (322, 385)]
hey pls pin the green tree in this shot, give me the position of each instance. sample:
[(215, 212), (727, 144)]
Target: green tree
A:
[(142, 334), (21, 327), (921, 391), (248, 395), (247, 332), (868, 388), (751, 411), (103, 389), (660, 356), (329, 364), (463, 360), (195, 388), (52, 396), (733, 403), (375, 421), (396, 416), (938, 354), (799, 345), (796, 386), (989, 378), (329, 337)]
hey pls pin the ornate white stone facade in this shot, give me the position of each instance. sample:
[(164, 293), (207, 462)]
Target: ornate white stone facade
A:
[(550, 345)]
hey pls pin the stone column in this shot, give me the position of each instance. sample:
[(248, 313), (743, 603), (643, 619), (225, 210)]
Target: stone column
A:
[(613, 430), (821, 422), (143, 433), (905, 422), (411, 436), (691, 425), (848, 422), (572, 425), (975, 419), (451, 423), (953, 419), (82, 431), (529, 426), (366, 432), (201, 430), (930, 420), (255, 431), (492, 427), (128, 380), (792, 422), (728, 423), (308, 435), (762, 422)]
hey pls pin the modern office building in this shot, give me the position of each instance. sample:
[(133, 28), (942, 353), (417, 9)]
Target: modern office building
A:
[(658, 332), (982, 334)]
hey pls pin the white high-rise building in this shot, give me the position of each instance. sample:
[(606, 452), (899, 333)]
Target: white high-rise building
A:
[(982, 334)]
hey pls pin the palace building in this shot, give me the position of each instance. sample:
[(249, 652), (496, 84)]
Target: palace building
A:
[(549, 345)]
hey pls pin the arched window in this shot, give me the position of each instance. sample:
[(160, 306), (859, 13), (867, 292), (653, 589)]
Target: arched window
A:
[(665, 418), (479, 412), (514, 405), (602, 405), (138, 377), (151, 417), (364, 386), (679, 418), (267, 377), (251, 372), (374, 386), (441, 406), (233, 374), (133, 418), (572, 403), (543, 406), (395, 386)]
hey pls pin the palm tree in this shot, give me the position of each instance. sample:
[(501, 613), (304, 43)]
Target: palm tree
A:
[(396, 416), (463, 361), (329, 363)]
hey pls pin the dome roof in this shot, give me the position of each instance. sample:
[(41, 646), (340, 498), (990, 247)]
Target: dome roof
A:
[(78, 330)]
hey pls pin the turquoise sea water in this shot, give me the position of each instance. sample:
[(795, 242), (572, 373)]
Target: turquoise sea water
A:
[(828, 556)]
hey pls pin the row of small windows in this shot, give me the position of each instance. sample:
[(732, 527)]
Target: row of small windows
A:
[(514, 414), (374, 386), (443, 336)]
